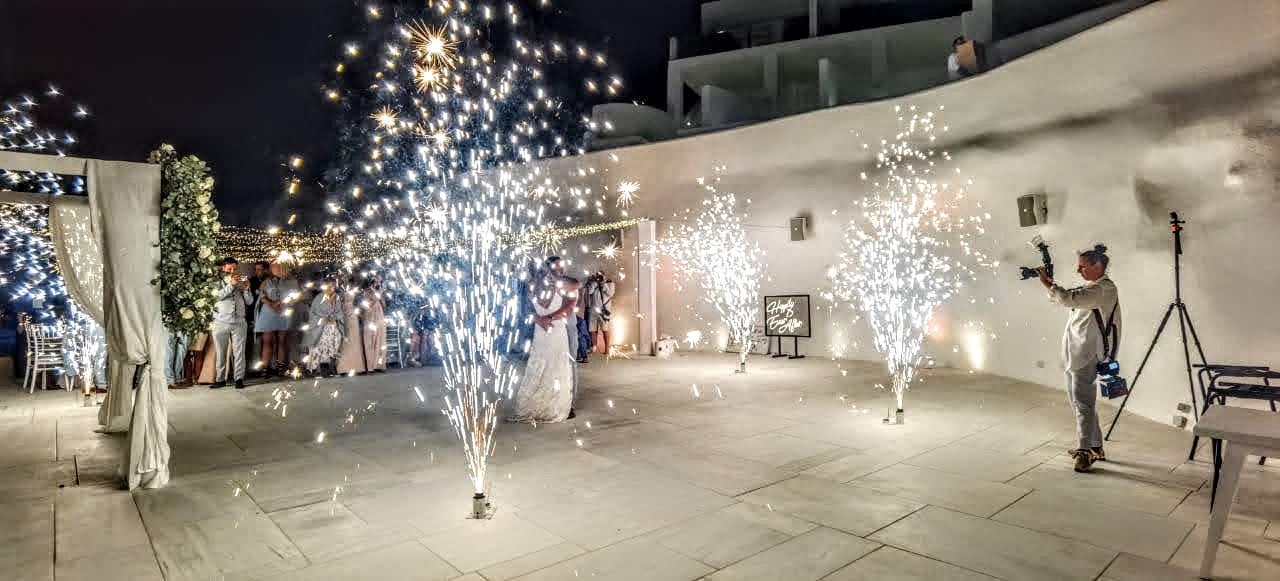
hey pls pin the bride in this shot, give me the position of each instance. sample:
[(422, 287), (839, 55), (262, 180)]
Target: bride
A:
[(546, 394)]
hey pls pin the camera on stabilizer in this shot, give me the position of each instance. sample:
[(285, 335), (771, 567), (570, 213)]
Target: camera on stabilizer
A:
[(1026, 272)]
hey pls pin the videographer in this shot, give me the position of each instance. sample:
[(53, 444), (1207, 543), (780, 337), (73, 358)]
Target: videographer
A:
[(600, 291), (1092, 336)]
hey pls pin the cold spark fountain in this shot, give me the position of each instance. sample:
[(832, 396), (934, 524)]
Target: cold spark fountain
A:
[(715, 251), (909, 247), (451, 106)]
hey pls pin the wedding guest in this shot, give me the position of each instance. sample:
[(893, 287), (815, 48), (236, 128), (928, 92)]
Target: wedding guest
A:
[(228, 324), (175, 357), (275, 295), (261, 272), (420, 350), (374, 327), (352, 358), (325, 330)]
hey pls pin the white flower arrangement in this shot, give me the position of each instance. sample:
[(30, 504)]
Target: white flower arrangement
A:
[(188, 224)]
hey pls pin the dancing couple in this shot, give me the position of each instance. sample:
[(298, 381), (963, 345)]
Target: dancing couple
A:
[(548, 388)]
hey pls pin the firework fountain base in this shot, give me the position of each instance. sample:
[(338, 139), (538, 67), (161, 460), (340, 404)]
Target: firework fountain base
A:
[(742, 367), (896, 417), (480, 507)]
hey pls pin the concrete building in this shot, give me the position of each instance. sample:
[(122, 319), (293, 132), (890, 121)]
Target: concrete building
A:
[(756, 60)]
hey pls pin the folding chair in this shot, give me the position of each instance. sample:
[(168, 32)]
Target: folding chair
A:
[(44, 354), (1213, 389)]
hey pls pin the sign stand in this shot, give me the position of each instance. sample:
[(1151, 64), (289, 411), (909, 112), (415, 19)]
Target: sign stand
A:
[(779, 352), (795, 348)]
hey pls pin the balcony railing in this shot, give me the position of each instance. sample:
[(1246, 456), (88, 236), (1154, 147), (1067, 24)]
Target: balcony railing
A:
[(744, 36)]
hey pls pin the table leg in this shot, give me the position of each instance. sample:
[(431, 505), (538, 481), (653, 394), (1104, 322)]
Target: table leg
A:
[(1231, 466), (1217, 470)]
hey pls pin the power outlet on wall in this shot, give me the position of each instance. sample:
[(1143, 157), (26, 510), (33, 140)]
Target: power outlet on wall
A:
[(1179, 421), (1184, 407)]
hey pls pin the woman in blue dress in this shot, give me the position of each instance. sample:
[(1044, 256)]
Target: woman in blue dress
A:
[(275, 312)]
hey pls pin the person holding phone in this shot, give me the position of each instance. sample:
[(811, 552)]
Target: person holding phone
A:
[(229, 327)]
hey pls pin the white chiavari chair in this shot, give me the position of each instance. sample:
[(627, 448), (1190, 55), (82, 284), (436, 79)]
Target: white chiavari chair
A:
[(44, 354)]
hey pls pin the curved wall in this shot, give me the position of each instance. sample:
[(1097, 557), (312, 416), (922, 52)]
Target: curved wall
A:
[(1173, 106)]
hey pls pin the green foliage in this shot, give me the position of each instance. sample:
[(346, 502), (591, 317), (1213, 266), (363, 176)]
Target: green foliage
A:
[(188, 227)]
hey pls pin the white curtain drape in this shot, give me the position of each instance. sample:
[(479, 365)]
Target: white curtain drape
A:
[(124, 201), (78, 253)]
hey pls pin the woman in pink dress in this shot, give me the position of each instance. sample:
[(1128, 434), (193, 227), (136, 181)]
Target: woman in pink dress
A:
[(352, 359), (374, 326)]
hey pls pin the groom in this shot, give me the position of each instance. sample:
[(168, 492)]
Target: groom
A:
[(571, 288)]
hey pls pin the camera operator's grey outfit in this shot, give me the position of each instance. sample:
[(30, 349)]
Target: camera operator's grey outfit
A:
[(1082, 347)]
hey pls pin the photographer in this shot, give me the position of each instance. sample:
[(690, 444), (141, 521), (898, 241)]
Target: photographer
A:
[(600, 289), (1092, 336)]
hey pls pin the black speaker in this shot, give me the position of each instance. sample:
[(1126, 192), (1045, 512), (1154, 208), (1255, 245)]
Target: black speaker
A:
[(1033, 210), (798, 227)]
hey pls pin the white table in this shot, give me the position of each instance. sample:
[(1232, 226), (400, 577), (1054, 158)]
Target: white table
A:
[(1244, 431)]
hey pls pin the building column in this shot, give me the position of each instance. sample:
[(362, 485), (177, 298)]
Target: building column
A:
[(771, 81), (827, 83), (813, 18), (675, 95), (646, 288), (977, 23), (879, 59)]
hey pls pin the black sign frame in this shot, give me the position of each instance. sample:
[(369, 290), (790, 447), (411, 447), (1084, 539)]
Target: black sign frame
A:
[(808, 315)]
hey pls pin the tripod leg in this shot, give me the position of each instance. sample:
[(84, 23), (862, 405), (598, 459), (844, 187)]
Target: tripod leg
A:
[(1195, 337), (1184, 321), (1134, 384)]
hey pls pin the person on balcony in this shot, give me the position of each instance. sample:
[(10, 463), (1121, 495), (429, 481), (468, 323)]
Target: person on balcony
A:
[(955, 70)]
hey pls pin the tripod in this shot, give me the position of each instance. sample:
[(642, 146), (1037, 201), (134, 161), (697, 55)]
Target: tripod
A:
[(1184, 324)]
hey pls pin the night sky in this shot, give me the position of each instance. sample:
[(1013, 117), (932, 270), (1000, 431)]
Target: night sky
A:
[(236, 82)]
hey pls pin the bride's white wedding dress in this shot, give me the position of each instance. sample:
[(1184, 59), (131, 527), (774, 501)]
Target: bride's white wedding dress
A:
[(546, 394)]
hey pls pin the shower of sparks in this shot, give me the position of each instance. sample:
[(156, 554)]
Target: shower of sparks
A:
[(608, 251), (456, 101), (385, 116), (909, 248), (627, 193), (716, 250), (433, 47)]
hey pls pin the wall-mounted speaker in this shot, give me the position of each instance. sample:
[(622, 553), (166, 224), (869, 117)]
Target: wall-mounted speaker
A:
[(1033, 210), (798, 227)]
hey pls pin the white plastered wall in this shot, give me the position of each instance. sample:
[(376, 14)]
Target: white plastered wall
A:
[(1175, 106)]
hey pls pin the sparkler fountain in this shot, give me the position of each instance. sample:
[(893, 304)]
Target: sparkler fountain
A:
[(728, 266), (451, 115), (909, 248)]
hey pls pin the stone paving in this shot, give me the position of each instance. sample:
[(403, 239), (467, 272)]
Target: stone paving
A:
[(776, 474)]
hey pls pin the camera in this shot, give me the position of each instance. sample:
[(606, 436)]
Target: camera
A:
[(1110, 384), (1026, 272)]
